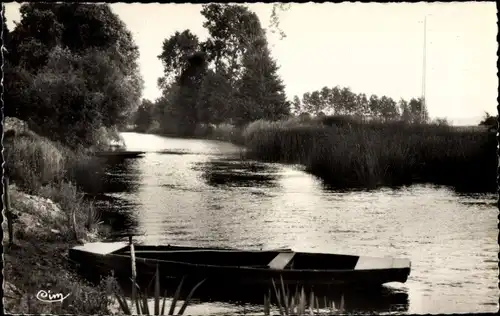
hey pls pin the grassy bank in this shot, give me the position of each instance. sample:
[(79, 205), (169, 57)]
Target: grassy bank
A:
[(352, 154), (49, 217)]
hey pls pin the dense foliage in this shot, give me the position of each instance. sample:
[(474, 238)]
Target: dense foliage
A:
[(237, 81), (228, 78), (71, 64)]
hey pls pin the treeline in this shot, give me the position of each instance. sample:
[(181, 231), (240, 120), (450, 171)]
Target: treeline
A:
[(231, 78), (228, 78), (342, 101), (71, 71)]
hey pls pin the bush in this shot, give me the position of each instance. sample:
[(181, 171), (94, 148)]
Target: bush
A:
[(81, 215), (84, 299), (33, 161), (228, 133)]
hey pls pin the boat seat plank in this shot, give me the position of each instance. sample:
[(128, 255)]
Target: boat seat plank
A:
[(101, 248), (369, 263), (281, 260), (400, 263)]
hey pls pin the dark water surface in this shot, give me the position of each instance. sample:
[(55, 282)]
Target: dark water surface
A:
[(198, 192)]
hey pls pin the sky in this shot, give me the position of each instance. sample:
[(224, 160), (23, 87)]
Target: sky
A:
[(372, 48)]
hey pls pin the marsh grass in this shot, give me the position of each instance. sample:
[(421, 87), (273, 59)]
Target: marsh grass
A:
[(298, 302), (227, 133), (350, 153), (140, 299), (33, 161), (39, 166), (81, 215)]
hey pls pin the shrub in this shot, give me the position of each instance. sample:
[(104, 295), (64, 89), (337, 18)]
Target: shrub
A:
[(33, 161), (81, 215)]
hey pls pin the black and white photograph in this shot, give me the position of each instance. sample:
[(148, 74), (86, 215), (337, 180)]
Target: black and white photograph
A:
[(250, 158)]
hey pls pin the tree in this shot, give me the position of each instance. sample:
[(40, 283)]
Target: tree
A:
[(261, 90), (76, 61), (374, 106), (418, 111), (405, 111), (325, 99), (75, 26), (213, 102), (347, 101), (238, 81), (232, 30), (166, 110), (388, 109), (315, 103), (76, 95), (175, 54), (335, 100), (274, 20), (143, 118), (190, 84), (297, 106), (306, 102), (362, 108), (489, 121)]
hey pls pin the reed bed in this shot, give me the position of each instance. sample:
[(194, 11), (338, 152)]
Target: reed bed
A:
[(349, 153)]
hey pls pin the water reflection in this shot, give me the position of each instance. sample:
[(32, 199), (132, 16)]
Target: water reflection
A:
[(250, 299), (238, 173), (110, 175), (199, 193), (108, 188), (117, 213)]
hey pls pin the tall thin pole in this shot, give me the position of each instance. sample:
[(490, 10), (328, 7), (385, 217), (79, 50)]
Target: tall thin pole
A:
[(424, 68)]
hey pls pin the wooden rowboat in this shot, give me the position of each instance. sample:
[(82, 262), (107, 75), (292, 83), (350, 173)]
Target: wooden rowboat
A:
[(242, 267), (119, 154)]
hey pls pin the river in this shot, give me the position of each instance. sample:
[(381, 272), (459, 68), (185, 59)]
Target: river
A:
[(199, 192)]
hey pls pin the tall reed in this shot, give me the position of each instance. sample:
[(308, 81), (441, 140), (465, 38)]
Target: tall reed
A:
[(298, 303), (372, 154), (140, 298)]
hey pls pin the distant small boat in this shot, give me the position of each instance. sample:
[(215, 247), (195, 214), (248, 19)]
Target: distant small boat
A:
[(242, 267), (120, 154)]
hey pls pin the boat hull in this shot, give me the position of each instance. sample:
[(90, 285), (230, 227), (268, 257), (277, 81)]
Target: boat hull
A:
[(185, 262)]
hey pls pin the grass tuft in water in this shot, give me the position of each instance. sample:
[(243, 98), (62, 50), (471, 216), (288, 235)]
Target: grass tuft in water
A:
[(141, 299), (298, 303)]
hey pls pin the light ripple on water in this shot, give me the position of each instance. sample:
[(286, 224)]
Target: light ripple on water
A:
[(450, 238)]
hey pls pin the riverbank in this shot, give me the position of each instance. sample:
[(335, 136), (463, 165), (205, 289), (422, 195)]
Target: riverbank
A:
[(38, 261), (350, 154), (223, 132), (49, 217)]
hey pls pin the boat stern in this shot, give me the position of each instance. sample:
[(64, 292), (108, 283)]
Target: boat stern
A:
[(395, 269)]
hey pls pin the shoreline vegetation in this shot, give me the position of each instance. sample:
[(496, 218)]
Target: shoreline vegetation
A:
[(83, 85), (352, 153), (50, 215)]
